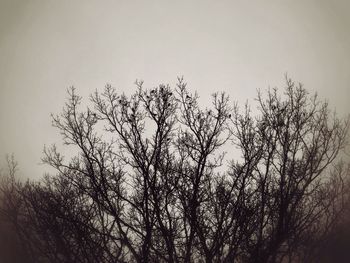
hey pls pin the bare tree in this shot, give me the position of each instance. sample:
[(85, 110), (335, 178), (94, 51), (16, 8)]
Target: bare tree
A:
[(150, 181), (286, 151), (11, 249)]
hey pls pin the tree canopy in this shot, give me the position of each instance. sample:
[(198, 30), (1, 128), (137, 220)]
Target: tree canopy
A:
[(151, 181)]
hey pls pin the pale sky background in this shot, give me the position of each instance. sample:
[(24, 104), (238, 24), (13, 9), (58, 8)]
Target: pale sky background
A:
[(233, 46)]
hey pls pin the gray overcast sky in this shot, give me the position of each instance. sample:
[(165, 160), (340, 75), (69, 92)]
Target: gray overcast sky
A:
[(235, 46)]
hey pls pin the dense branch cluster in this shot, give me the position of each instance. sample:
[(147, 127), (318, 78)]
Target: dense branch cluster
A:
[(151, 182)]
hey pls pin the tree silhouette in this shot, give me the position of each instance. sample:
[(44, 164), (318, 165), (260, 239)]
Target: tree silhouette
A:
[(150, 181)]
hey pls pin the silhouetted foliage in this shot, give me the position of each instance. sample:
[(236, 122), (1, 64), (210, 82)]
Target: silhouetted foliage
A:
[(150, 181)]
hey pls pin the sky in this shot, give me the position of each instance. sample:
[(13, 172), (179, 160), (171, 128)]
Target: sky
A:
[(234, 46)]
